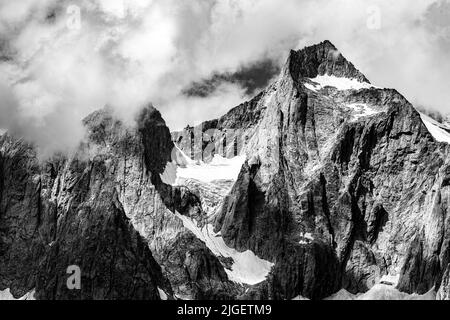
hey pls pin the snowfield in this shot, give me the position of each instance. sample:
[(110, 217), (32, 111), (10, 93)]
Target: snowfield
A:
[(390, 279), (219, 168), (247, 268), (321, 82), (435, 128)]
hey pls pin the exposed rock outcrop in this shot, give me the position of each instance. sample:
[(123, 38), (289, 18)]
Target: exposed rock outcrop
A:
[(105, 210), (342, 186), (342, 180)]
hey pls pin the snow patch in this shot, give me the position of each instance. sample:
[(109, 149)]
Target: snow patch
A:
[(300, 298), (382, 292), (246, 268), (360, 110), (391, 280), (341, 295), (169, 176), (435, 129), (181, 158), (7, 295), (306, 238), (162, 294), (219, 168), (339, 83), (385, 292)]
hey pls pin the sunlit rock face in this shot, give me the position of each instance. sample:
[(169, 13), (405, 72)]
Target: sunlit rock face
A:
[(68, 211), (322, 185), (343, 182), (105, 210)]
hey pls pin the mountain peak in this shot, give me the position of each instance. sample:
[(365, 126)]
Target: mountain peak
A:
[(322, 59)]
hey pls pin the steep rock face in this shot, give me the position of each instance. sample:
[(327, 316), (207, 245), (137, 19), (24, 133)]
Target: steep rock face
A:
[(322, 59), (105, 210), (342, 186), (50, 221), (20, 216), (343, 183), (152, 205), (444, 290)]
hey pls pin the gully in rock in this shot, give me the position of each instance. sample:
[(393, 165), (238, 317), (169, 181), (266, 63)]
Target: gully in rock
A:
[(295, 177)]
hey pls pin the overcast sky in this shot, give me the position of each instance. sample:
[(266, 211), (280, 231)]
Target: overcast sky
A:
[(196, 59)]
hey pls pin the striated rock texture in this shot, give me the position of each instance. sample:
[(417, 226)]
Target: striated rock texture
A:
[(106, 210), (322, 59), (341, 186), (67, 212)]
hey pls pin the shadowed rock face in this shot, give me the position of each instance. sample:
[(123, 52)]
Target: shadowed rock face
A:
[(331, 195), (322, 59), (106, 210), (66, 212), (339, 188)]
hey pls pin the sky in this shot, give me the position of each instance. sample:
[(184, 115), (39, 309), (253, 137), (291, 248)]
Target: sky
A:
[(196, 59)]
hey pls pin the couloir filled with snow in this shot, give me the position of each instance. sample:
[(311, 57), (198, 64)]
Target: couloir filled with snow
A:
[(340, 83), (247, 268)]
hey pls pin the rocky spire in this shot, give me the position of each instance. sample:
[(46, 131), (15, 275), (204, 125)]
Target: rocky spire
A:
[(321, 59)]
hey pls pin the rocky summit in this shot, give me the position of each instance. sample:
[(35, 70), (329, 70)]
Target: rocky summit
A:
[(321, 186)]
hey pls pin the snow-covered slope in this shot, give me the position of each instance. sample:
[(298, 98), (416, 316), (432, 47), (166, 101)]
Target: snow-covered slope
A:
[(210, 178), (360, 110), (246, 268), (340, 83), (219, 168), (436, 129)]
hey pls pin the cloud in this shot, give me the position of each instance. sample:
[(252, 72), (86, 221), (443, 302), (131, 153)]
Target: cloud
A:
[(191, 110), (128, 53), (252, 78)]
